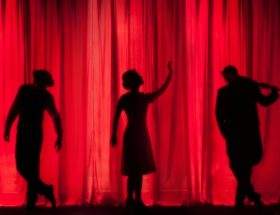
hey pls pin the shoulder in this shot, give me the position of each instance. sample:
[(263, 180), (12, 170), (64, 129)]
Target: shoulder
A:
[(146, 95), (249, 82), (25, 87), (129, 95), (149, 97), (250, 86), (48, 95), (123, 99), (224, 92), (223, 89)]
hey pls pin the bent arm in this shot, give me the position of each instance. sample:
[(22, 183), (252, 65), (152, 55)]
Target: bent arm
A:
[(267, 100), (152, 96), (115, 122), (51, 108), (220, 115)]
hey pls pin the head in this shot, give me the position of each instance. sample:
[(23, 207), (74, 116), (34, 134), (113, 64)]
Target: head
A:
[(230, 74), (42, 78), (132, 80)]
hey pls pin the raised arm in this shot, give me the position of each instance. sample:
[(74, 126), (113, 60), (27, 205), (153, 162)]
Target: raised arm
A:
[(51, 108), (115, 122), (152, 96), (13, 112)]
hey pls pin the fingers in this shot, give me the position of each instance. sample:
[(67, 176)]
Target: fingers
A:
[(58, 145), (169, 65), (7, 138), (7, 135), (113, 141)]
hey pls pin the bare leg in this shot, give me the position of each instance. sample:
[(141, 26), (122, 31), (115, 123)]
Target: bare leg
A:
[(130, 190), (138, 187)]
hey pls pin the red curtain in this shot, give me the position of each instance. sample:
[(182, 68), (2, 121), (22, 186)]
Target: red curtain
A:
[(88, 44)]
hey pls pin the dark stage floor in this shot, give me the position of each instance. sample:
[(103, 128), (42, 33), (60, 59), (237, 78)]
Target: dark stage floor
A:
[(102, 210)]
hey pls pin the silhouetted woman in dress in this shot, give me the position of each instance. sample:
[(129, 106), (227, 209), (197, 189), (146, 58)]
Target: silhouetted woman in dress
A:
[(137, 155)]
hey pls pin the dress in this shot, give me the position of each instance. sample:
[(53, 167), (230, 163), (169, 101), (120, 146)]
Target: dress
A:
[(137, 155)]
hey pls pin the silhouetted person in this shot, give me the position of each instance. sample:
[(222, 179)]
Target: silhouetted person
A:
[(237, 117), (29, 105), (137, 155)]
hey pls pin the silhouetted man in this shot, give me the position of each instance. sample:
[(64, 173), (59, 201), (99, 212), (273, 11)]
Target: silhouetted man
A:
[(30, 103), (237, 117)]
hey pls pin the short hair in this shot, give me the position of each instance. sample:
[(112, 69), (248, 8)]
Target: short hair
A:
[(230, 70), (131, 76), (43, 77)]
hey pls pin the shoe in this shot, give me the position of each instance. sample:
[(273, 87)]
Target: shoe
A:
[(239, 201), (140, 204), (31, 205), (129, 203), (31, 201), (257, 200), (259, 203), (239, 205), (50, 196)]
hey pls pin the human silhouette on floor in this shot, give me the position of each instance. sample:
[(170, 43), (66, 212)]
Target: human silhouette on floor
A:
[(29, 105), (137, 155), (238, 121)]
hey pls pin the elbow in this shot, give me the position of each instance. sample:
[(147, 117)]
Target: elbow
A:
[(56, 117)]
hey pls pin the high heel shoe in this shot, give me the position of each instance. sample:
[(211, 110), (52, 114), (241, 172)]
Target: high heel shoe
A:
[(50, 196), (256, 198), (31, 203)]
